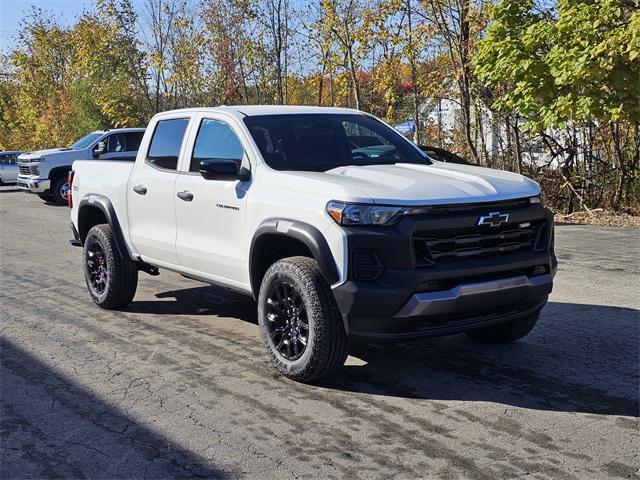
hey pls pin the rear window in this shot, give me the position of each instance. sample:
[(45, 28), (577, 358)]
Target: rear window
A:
[(166, 143)]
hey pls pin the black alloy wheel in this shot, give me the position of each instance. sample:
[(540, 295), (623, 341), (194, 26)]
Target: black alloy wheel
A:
[(96, 261), (288, 325)]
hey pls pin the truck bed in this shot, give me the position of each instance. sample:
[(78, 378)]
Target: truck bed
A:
[(103, 177)]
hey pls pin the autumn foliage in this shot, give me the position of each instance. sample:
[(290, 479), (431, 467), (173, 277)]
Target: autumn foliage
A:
[(551, 89)]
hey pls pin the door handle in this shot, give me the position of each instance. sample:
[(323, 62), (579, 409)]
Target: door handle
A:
[(140, 189), (185, 195)]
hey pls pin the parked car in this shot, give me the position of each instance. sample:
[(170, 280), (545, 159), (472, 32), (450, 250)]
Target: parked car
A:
[(45, 171), (339, 228), (443, 155), (8, 167)]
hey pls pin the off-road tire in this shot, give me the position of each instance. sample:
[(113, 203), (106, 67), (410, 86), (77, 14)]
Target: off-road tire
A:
[(122, 273), (56, 186), (327, 343), (44, 196), (506, 332)]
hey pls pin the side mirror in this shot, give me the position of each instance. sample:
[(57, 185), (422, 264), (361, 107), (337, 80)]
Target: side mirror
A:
[(224, 169), (101, 148)]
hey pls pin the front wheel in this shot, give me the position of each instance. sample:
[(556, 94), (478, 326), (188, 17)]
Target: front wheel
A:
[(506, 332), (111, 279), (300, 323), (60, 190)]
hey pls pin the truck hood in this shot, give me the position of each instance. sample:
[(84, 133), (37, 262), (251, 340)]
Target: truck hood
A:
[(58, 152), (438, 183)]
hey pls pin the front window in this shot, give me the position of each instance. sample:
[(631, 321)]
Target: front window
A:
[(321, 142), (124, 142), (85, 141), (215, 140)]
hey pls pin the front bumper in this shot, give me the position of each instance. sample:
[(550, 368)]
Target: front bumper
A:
[(447, 297), (33, 184)]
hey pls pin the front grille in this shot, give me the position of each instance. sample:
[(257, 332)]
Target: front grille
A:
[(28, 170), (471, 242)]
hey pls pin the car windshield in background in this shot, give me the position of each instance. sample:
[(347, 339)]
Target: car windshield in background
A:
[(321, 142), (85, 141)]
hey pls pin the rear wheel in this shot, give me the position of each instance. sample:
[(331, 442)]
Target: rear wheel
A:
[(60, 190), (506, 332), (111, 279), (300, 323)]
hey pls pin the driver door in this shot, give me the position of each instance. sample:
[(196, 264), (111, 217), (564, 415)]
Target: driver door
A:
[(210, 214)]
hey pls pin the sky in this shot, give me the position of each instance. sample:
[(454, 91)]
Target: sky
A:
[(12, 11)]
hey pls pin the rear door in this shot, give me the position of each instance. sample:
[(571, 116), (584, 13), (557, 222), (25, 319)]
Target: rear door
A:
[(151, 193), (210, 214)]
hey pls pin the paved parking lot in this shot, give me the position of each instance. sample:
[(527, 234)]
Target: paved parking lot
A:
[(178, 384)]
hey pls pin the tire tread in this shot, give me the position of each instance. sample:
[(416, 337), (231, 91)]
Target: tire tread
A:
[(123, 274), (331, 342)]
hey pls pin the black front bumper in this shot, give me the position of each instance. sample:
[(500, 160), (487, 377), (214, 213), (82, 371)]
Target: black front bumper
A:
[(454, 295)]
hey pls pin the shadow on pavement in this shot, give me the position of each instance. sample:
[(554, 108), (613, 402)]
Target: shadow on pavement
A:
[(205, 300), (53, 428), (579, 358)]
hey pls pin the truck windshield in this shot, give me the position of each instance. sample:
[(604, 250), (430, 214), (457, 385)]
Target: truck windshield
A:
[(321, 142), (85, 141)]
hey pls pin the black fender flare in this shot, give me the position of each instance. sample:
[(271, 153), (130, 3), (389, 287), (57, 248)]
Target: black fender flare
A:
[(102, 203), (59, 171), (305, 233)]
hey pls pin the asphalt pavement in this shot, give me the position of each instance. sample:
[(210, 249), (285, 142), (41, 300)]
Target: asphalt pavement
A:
[(178, 385)]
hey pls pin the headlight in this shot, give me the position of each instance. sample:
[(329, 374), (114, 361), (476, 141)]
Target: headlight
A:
[(537, 200), (363, 214)]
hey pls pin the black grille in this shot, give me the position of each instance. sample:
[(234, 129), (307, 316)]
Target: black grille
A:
[(478, 208), (366, 265), (27, 170), (470, 242)]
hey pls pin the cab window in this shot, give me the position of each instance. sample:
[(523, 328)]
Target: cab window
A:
[(215, 139), (124, 142), (166, 143)]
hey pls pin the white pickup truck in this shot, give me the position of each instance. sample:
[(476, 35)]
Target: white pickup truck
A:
[(338, 227)]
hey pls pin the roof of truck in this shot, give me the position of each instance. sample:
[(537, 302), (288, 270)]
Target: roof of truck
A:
[(253, 110)]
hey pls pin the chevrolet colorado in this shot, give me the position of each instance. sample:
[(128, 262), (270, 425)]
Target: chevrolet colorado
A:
[(340, 229), (44, 172)]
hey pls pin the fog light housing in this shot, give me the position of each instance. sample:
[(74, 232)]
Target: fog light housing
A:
[(539, 270)]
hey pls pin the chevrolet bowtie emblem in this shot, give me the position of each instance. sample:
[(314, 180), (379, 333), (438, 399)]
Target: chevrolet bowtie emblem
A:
[(494, 219)]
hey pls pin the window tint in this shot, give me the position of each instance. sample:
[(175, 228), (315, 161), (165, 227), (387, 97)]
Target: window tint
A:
[(321, 142), (215, 140), (165, 144), (124, 142), (8, 158)]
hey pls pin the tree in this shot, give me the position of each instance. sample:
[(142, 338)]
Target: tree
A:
[(575, 67)]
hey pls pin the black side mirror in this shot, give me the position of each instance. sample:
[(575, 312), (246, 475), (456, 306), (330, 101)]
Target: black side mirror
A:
[(100, 148), (224, 169)]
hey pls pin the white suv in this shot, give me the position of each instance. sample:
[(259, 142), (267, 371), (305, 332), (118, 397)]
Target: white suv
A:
[(339, 227)]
